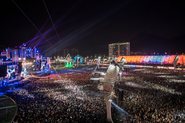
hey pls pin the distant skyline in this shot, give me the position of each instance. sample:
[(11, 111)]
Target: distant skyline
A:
[(150, 26)]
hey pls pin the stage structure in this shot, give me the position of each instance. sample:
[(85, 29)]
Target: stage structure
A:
[(119, 49), (78, 59), (68, 63), (18, 62)]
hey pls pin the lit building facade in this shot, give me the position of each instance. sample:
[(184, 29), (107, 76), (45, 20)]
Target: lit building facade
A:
[(117, 49)]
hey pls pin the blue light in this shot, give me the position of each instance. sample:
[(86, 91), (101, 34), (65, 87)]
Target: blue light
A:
[(159, 59), (119, 108), (1, 93)]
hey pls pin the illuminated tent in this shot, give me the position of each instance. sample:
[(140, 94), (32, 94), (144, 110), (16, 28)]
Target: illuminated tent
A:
[(69, 63), (78, 58)]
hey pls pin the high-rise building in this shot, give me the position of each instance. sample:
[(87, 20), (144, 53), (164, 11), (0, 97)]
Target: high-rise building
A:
[(117, 49), (8, 53), (23, 51), (15, 55)]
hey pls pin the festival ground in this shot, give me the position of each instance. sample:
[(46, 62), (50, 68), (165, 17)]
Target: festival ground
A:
[(149, 95)]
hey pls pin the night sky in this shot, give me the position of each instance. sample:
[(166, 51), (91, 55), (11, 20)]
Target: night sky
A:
[(90, 25)]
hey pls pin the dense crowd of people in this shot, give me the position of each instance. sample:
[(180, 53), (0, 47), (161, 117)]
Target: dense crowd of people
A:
[(62, 100), (148, 96)]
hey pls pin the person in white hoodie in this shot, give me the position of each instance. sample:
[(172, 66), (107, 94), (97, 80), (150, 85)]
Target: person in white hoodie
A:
[(111, 77), (112, 73)]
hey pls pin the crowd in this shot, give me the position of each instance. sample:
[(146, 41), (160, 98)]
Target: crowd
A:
[(60, 100), (148, 97), (152, 99)]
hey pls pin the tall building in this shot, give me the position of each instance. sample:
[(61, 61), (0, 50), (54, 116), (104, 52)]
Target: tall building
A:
[(28, 52), (15, 55), (117, 49), (8, 53), (23, 51)]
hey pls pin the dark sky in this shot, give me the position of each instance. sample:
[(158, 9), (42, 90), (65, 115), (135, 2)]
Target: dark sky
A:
[(89, 25)]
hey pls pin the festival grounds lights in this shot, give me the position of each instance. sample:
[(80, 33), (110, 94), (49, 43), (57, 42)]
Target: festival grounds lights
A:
[(154, 59), (68, 65)]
